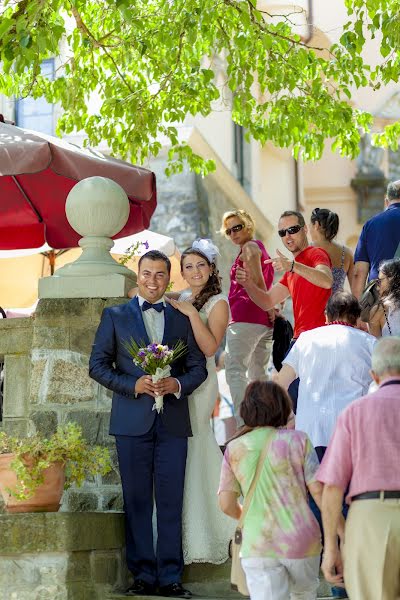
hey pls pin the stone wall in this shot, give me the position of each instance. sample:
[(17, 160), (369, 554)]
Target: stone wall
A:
[(47, 384), (55, 556), (177, 214), (190, 206), (213, 202)]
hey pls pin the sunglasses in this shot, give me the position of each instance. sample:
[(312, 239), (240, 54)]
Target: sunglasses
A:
[(234, 229), (291, 230)]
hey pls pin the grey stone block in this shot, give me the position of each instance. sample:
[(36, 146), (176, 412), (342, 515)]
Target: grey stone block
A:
[(83, 591), (82, 501), (81, 338), (15, 336), (105, 567), (16, 427), (112, 501), (61, 377), (25, 571), (60, 532), (16, 377), (49, 308), (45, 422), (50, 337)]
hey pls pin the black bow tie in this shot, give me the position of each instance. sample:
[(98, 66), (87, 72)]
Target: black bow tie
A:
[(159, 307)]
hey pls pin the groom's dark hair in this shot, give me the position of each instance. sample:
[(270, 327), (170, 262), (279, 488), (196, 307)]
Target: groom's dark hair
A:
[(156, 255)]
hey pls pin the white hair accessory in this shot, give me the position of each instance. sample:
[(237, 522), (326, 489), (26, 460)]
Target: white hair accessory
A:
[(206, 247)]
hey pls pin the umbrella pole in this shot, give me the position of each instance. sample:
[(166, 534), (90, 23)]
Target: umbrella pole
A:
[(52, 261)]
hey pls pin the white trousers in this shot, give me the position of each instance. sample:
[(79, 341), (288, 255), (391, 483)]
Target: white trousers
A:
[(283, 578), (248, 348)]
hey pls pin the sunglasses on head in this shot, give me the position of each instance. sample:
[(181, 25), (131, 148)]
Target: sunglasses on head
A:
[(291, 230), (234, 229)]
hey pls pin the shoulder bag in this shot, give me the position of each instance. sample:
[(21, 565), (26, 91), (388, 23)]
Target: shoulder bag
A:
[(238, 577), (370, 297)]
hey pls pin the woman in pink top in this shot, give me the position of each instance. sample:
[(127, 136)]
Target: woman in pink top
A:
[(249, 335)]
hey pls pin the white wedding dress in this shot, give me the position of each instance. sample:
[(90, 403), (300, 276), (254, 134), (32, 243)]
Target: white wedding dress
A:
[(206, 529)]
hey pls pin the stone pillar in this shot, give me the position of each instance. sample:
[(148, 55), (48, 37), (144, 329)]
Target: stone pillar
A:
[(62, 391)]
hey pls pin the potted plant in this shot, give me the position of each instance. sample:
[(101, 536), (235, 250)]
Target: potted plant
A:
[(35, 470)]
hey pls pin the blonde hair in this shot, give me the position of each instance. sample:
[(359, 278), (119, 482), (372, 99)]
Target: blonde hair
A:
[(243, 217)]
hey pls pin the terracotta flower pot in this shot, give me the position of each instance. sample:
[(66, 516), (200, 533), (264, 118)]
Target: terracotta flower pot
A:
[(46, 498)]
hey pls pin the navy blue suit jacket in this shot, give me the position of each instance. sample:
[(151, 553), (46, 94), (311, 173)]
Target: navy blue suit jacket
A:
[(112, 366)]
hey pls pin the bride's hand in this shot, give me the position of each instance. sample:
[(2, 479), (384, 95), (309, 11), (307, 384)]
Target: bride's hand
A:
[(185, 307)]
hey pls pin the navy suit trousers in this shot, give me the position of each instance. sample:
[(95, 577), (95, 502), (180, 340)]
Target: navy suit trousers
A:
[(152, 466)]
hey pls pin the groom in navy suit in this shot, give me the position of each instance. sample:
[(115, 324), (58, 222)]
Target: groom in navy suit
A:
[(151, 447)]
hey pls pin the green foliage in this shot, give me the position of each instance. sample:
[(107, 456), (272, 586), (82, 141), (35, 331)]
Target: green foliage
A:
[(131, 252), (152, 63), (33, 455)]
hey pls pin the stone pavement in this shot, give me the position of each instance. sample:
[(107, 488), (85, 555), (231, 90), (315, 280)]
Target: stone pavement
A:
[(212, 582)]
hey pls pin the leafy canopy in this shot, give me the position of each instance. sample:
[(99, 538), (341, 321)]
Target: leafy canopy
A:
[(153, 62)]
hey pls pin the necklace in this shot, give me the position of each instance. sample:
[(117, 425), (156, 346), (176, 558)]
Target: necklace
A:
[(341, 323)]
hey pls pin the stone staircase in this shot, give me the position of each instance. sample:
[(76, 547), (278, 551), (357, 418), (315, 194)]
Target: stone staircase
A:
[(80, 556), (212, 582)]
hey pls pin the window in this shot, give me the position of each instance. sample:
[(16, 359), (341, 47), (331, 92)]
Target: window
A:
[(37, 114), (242, 157)]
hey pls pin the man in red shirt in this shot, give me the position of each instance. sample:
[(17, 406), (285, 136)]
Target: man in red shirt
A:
[(307, 276), (307, 279), (364, 456)]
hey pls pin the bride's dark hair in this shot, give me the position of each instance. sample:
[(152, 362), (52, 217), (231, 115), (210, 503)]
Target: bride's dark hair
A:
[(213, 285)]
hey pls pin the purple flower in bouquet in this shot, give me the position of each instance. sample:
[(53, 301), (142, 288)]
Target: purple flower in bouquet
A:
[(155, 359)]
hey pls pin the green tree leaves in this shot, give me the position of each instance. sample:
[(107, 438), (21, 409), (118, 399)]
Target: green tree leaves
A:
[(150, 63)]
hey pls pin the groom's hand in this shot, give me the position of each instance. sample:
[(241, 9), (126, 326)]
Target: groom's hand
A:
[(145, 385), (169, 385)]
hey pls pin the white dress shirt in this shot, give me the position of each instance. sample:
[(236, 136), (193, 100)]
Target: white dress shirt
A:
[(153, 321), (333, 364)]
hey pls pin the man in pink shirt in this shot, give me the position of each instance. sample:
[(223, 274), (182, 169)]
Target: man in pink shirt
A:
[(364, 456)]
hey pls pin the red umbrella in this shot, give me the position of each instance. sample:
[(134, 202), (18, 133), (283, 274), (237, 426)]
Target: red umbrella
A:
[(37, 172)]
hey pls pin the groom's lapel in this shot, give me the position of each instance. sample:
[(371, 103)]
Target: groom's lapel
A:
[(169, 321), (136, 322)]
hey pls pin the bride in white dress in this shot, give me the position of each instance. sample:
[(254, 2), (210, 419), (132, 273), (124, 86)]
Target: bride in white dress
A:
[(206, 530)]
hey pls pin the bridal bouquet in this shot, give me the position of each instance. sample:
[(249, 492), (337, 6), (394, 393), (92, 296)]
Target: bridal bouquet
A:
[(155, 360)]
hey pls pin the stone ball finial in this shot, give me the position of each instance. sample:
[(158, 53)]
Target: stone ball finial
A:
[(97, 206)]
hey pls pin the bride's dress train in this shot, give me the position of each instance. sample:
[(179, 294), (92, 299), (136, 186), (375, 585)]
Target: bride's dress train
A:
[(206, 529)]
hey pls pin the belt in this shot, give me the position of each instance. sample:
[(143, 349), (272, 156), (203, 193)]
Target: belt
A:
[(377, 495)]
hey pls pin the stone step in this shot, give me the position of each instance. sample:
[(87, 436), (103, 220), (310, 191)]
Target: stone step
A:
[(212, 582), (120, 596)]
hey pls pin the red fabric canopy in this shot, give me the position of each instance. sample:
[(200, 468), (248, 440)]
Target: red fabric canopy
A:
[(37, 173)]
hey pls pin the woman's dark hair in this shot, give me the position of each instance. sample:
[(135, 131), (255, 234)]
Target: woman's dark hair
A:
[(265, 404), (391, 270), (343, 305), (328, 220), (213, 285)]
